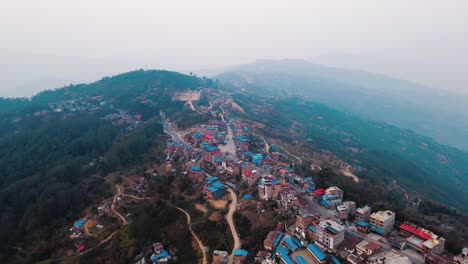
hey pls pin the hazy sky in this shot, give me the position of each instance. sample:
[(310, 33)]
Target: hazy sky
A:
[(49, 43)]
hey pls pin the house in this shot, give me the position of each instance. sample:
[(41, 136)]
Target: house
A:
[(272, 240), (363, 227), (382, 222), (292, 243), (220, 257), (421, 239), (215, 190), (330, 234), (240, 256), (367, 248), (316, 253), (363, 214), (303, 222)]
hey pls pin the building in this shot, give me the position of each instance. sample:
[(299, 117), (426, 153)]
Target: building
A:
[(351, 207), (388, 257), (342, 212), (363, 214), (334, 191), (303, 222), (382, 222), (265, 189), (367, 248), (272, 240), (316, 253), (195, 173), (214, 188), (363, 227), (329, 234), (220, 257), (421, 239), (240, 256)]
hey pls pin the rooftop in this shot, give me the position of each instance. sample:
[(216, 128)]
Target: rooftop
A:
[(241, 253), (316, 252)]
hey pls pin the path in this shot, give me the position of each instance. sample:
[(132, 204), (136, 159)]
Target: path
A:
[(232, 226), (200, 244), (192, 107), (114, 200), (292, 155)]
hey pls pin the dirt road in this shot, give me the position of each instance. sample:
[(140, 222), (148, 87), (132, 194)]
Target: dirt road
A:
[(200, 244), (232, 226)]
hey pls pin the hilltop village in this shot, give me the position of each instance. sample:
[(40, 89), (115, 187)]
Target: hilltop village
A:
[(223, 158), (249, 182)]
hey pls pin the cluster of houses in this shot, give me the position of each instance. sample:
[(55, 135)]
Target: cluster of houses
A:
[(122, 118), (314, 237), (78, 105)]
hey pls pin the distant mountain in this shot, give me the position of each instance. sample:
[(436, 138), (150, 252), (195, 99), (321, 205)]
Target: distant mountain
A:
[(405, 104)]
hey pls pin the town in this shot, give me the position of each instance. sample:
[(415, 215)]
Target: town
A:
[(235, 169), (320, 226)]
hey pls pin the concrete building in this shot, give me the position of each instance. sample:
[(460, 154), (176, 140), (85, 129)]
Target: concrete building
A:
[(272, 240), (220, 257), (382, 222), (329, 234), (342, 212), (363, 214), (421, 239)]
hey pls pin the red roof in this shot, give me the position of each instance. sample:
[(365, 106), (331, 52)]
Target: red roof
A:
[(415, 231), (208, 136), (80, 247), (319, 191)]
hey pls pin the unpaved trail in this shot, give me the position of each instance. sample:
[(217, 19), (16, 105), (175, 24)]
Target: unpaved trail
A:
[(292, 155), (200, 244), (114, 200), (232, 226)]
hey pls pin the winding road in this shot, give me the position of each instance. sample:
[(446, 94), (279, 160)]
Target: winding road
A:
[(232, 226), (200, 244)]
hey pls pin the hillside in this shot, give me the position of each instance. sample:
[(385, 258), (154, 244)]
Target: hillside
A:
[(58, 148), (404, 104), (377, 151)]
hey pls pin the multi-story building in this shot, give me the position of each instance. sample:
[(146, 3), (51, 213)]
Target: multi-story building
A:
[(421, 239), (265, 189), (214, 188), (329, 234), (331, 201), (342, 212), (303, 221), (382, 222), (363, 214), (334, 191)]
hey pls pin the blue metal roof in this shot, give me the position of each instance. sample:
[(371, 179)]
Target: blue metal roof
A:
[(196, 168), (335, 260), (212, 179), (278, 239), (316, 252), (217, 185), (311, 228), (246, 197), (79, 223), (291, 244), (241, 252), (282, 251), (300, 260), (297, 242), (210, 148), (275, 182), (363, 224), (286, 259), (213, 189)]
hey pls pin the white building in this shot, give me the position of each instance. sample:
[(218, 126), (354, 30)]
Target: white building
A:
[(330, 234)]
